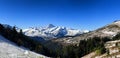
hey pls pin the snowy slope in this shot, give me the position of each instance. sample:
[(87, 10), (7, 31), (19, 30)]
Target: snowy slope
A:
[(51, 31), (10, 50)]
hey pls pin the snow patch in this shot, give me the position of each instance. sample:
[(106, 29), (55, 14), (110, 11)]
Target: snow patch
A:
[(109, 32)]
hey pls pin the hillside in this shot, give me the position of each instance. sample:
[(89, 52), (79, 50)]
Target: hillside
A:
[(109, 30), (9, 49), (11, 34)]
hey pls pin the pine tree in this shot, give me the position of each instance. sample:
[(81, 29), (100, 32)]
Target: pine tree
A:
[(21, 32)]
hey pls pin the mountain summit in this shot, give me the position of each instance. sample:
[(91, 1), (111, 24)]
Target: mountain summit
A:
[(51, 31), (50, 26)]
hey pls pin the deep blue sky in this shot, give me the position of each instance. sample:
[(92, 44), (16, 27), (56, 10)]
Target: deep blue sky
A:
[(78, 14)]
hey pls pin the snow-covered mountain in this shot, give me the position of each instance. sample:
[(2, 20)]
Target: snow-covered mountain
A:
[(7, 26), (11, 27), (9, 50), (52, 31)]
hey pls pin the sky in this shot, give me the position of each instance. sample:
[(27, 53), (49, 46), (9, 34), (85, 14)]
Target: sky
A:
[(76, 14)]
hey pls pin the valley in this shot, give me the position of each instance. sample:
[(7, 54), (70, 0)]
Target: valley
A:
[(55, 42)]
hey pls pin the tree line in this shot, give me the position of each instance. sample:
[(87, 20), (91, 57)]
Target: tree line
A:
[(85, 47), (20, 39)]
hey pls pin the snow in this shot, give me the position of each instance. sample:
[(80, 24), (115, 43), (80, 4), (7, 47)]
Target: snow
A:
[(117, 23), (118, 56), (50, 26), (112, 51), (73, 32), (109, 32), (7, 26), (10, 50), (85, 31), (26, 52), (52, 31)]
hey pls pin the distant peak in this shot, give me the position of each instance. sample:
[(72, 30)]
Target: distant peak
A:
[(50, 26), (117, 21)]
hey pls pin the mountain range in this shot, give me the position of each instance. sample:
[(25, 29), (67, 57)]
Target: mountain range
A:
[(55, 37), (68, 35), (52, 31)]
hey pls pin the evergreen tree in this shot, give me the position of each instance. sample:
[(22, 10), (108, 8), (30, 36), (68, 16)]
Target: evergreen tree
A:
[(21, 32)]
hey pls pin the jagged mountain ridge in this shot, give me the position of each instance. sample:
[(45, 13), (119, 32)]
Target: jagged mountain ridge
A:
[(52, 31)]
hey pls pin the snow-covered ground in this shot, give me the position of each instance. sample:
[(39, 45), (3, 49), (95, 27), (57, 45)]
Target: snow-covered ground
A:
[(109, 32), (9, 50)]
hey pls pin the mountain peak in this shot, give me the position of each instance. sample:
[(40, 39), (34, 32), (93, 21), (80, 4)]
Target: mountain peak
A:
[(50, 26), (116, 21), (51, 31)]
